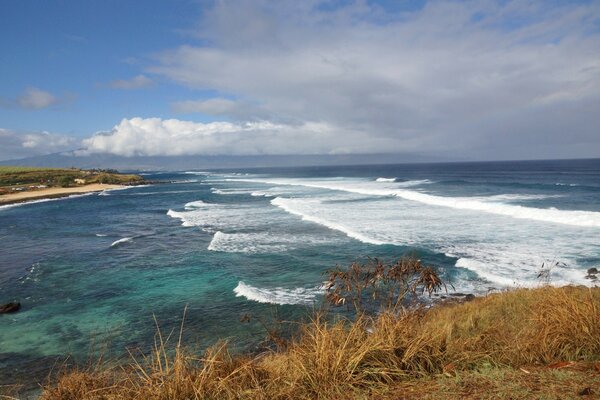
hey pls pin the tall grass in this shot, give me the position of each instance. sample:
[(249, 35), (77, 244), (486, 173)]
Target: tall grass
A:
[(418, 351)]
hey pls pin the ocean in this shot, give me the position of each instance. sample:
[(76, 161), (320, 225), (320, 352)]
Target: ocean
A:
[(94, 272)]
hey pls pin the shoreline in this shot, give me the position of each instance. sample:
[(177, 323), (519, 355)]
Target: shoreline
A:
[(54, 192)]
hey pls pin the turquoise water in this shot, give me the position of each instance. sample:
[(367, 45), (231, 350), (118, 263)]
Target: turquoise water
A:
[(94, 270)]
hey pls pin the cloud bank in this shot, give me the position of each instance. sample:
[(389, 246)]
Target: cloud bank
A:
[(173, 137), (26, 144), (481, 79), (477, 78)]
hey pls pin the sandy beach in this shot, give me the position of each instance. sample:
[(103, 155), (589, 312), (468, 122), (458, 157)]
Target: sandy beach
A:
[(54, 192)]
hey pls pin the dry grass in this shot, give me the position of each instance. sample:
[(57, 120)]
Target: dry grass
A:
[(500, 346)]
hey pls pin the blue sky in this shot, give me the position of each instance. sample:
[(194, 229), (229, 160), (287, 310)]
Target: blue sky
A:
[(482, 79), (74, 49)]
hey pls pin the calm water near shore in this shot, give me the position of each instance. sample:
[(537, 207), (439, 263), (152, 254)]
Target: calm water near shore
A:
[(93, 270)]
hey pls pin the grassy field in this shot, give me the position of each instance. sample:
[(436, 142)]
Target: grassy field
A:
[(23, 177), (524, 344), (14, 170)]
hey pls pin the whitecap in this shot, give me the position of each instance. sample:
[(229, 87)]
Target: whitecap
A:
[(121, 241), (261, 194), (180, 216), (566, 217), (245, 243), (197, 173), (262, 242), (288, 206), (185, 181), (278, 295), (228, 191), (196, 204)]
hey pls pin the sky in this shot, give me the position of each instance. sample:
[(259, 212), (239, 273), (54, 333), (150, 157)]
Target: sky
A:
[(471, 80)]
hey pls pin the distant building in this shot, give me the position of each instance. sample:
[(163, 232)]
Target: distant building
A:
[(80, 181)]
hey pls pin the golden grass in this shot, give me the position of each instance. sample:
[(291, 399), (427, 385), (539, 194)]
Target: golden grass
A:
[(499, 346)]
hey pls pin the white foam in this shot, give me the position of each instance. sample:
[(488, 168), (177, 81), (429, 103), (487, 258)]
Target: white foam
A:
[(288, 206), (385, 180), (245, 243), (262, 242), (180, 216), (261, 194), (228, 191), (278, 295), (566, 217), (197, 173), (121, 241), (483, 270), (25, 203), (101, 235), (517, 197), (212, 217), (106, 192), (185, 181), (497, 248), (196, 204)]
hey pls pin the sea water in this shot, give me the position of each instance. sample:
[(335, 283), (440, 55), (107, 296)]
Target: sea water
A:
[(101, 270)]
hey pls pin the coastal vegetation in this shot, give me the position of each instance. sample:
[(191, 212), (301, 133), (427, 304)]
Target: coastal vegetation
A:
[(31, 178), (19, 179), (523, 343)]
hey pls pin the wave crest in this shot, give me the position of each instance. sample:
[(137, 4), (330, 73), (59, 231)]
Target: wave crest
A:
[(288, 206), (552, 215), (277, 295), (121, 241)]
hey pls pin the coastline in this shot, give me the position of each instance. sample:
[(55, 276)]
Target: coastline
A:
[(54, 192)]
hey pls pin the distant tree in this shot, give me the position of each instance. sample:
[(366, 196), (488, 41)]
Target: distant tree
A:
[(65, 181)]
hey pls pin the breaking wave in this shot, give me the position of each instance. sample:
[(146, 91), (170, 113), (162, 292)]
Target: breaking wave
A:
[(288, 206), (552, 215), (244, 243), (121, 241), (277, 295)]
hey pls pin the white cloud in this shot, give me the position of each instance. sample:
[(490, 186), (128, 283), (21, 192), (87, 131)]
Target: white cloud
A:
[(477, 78), (212, 106), (14, 144), (34, 98), (137, 82), (173, 137), (236, 109)]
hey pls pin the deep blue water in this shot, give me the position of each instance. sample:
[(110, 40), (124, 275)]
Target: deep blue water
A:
[(93, 270)]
